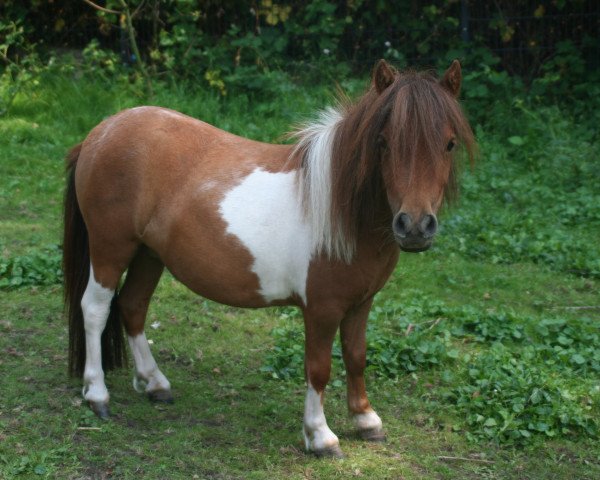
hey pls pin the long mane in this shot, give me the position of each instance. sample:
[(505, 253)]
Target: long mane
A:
[(340, 154)]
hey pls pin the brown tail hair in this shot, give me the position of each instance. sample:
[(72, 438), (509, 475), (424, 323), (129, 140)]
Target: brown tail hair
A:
[(76, 272)]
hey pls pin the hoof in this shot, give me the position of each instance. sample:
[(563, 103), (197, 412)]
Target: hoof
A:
[(372, 435), (100, 409), (161, 396), (329, 452)]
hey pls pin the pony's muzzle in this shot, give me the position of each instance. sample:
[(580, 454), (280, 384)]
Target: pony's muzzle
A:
[(414, 236)]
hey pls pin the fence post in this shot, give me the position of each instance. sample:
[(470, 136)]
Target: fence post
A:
[(464, 21)]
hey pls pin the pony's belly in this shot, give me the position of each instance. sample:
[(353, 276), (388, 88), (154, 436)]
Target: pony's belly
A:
[(210, 265)]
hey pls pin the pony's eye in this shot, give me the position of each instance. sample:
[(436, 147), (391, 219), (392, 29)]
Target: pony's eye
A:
[(450, 145)]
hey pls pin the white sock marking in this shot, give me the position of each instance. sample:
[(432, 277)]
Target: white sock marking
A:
[(367, 421), (95, 305), (146, 369), (317, 435), (265, 213)]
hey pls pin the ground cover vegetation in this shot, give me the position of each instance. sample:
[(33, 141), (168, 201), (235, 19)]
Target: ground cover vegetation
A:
[(483, 352)]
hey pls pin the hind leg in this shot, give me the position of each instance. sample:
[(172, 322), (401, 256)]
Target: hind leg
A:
[(95, 305), (142, 277), (108, 261), (105, 272)]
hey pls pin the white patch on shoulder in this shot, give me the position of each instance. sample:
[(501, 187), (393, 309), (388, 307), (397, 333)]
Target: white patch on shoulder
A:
[(265, 213)]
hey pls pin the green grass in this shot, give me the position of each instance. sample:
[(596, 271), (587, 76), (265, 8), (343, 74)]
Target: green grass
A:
[(231, 419)]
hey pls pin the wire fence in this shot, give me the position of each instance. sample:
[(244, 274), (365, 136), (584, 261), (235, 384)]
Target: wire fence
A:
[(529, 32), (523, 33)]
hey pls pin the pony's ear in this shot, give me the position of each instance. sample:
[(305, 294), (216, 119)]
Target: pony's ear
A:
[(383, 75), (452, 78)]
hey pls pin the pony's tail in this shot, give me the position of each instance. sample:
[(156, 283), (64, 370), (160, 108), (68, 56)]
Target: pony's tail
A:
[(76, 272)]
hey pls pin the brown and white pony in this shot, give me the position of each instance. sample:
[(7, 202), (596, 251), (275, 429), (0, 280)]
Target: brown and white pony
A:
[(318, 225)]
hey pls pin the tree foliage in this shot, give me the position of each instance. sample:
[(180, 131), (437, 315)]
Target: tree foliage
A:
[(255, 46), (197, 34)]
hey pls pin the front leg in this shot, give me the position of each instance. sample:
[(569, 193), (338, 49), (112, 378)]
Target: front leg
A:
[(353, 334), (320, 331)]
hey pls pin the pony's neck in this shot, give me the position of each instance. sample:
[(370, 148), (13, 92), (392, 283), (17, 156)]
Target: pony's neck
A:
[(318, 171), (314, 149)]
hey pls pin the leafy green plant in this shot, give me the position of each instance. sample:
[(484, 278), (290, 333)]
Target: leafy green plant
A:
[(21, 63), (34, 269), (508, 397), (286, 359)]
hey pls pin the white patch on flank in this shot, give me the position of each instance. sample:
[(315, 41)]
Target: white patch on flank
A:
[(208, 185), (265, 213), (147, 375), (367, 421), (317, 435), (316, 143), (95, 305)]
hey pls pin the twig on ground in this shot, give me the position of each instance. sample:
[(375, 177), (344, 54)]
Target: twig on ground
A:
[(411, 326), (577, 307), (89, 428), (437, 320), (465, 459)]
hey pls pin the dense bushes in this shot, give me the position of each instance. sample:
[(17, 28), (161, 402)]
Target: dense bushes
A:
[(249, 45), (258, 48)]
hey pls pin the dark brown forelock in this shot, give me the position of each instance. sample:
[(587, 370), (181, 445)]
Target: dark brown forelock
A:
[(416, 108)]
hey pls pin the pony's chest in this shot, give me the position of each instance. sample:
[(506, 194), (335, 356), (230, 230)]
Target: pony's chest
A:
[(264, 213)]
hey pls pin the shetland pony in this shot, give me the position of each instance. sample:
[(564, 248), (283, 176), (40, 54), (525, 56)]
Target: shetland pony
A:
[(318, 225)]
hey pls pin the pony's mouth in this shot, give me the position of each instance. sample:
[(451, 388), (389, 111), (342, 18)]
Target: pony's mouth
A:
[(414, 247)]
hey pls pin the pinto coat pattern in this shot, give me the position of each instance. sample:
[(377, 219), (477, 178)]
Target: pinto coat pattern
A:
[(318, 225)]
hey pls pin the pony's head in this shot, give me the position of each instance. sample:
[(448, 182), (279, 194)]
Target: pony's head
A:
[(396, 147), (424, 128), (403, 134)]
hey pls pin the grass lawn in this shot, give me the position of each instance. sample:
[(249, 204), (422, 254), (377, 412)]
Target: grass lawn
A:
[(489, 333)]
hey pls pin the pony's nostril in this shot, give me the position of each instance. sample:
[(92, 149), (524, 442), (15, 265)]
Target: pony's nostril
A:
[(428, 226), (402, 225)]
